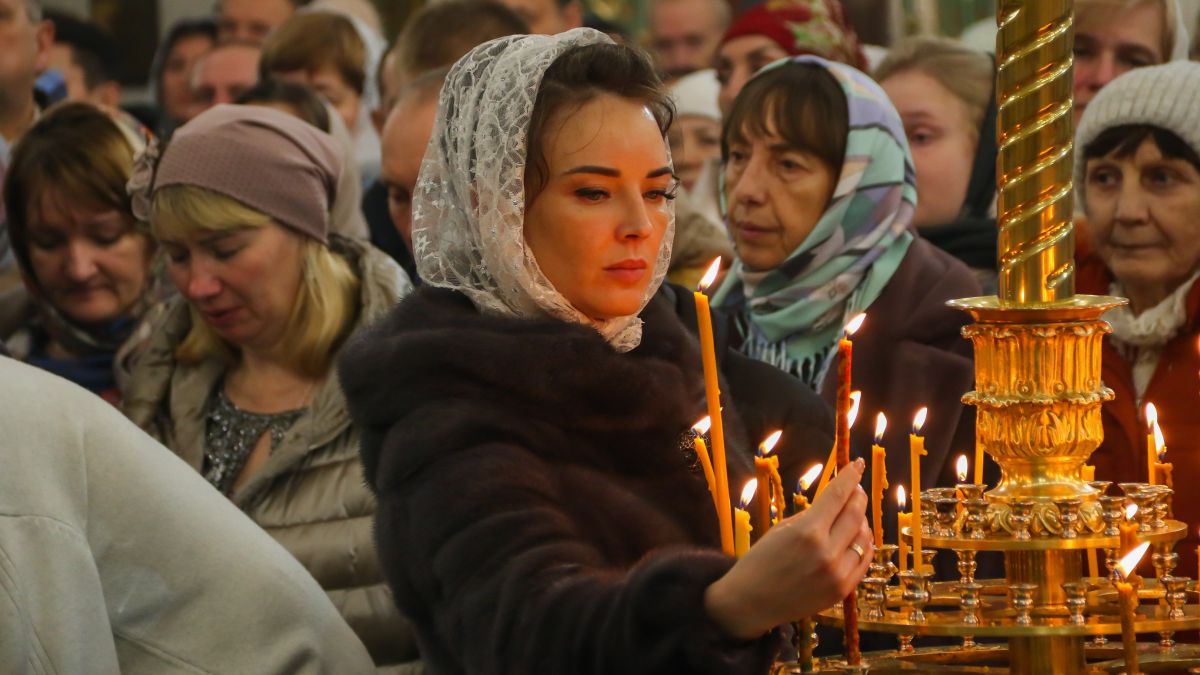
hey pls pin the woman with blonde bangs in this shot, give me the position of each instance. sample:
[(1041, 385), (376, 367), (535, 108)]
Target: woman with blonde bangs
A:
[(235, 377)]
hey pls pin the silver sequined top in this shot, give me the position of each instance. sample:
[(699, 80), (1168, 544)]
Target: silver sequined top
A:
[(231, 435)]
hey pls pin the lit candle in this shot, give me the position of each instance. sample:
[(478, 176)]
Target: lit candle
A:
[(1198, 562), (879, 483), (842, 409), (960, 472), (916, 450), (831, 463), (1151, 456), (767, 470), (978, 464), (799, 501), (1128, 529), (1162, 468), (712, 388), (903, 520), (741, 520), (699, 429), (1129, 602)]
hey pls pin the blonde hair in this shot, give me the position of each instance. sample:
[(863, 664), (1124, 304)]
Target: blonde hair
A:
[(325, 308), (1103, 10), (966, 73)]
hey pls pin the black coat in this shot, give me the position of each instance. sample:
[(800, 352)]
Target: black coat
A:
[(539, 511)]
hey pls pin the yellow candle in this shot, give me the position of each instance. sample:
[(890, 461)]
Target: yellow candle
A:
[(960, 472), (699, 430), (879, 483), (741, 520), (799, 501), (1128, 530), (1151, 456), (916, 450), (766, 468), (1162, 468), (831, 462), (1129, 602), (712, 388), (903, 520), (1087, 473)]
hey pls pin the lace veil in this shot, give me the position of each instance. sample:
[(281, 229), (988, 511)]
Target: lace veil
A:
[(469, 202)]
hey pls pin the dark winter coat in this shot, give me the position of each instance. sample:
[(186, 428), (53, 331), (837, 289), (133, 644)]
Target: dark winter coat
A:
[(538, 509)]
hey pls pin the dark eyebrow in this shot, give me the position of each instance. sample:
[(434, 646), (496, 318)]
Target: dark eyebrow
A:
[(601, 170), (661, 171)]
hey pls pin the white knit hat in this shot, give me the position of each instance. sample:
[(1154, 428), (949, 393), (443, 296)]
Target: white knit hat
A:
[(1166, 96), (696, 94)]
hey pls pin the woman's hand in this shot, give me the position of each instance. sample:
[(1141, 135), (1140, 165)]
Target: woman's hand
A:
[(803, 565)]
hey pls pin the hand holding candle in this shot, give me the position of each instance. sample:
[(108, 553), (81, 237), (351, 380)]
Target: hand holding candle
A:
[(712, 388), (879, 482), (1127, 593)]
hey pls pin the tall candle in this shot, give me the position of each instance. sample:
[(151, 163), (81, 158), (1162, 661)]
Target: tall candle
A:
[(1129, 601), (741, 520), (916, 450), (1151, 456), (699, 429), (1162, 468), (767, 470), (903, 520), (831, 463), (712, 388), (879, 483), (845, 355)]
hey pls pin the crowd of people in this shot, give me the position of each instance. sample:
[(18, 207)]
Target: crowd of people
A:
[(347, 356)]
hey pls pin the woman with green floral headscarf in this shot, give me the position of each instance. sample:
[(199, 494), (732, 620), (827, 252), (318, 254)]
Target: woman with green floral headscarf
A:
[(820, 193)]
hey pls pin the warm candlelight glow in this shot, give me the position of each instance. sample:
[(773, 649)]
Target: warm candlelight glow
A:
[(710, 276), (855, 324), (960, 468), (1160, 443), (1151, 416), (700, 428), (880, 427), (748, 492), (809, 476), (769, 444), (919, 421), (1130, 511), (1131, 560), (855, 400), (901, 498)]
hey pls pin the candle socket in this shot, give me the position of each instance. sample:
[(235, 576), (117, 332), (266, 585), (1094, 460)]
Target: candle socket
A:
[(976, 520), (1021, 517), (1110, 563), (1165, 560), (1076, 601), (1068, 516), (1145, 514), (1162, 496), (966, 565), (971, 491), (928, 517), (1176, 595), (1022, 602), (1112, 510), (1100, 486), (1130, 489), (928, 555), (906, 643), (883, 567), (915, 593), (969, 602), (874, 597), (946, 509)]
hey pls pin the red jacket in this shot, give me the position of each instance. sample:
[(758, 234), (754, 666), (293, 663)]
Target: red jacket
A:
[(1175, 391)]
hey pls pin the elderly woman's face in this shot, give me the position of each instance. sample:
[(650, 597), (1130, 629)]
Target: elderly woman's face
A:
[(1142, 209), (597, 225), (738, 60), (776, 194), (90, 263), (243, 282)]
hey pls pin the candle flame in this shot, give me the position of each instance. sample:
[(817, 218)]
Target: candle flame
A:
[(919, 421), (1160, 443), (1130, 562), (810, 476), (700, 428), (710, 276), (769, 444), (1130, 511), (901, 497), (855, 400), (748, 492), (855, 324), (1151, 416), (960, 468), (880, 427)]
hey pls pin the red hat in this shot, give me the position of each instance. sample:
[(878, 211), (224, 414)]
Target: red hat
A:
[(817, 27)]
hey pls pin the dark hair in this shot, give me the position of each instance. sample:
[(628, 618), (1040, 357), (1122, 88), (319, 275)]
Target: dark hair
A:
[(76, 150), (441, 33), (306, 103), (802, 103), (314, 40), (181, 30), (1123, 141), (92, 50), (581, 74)]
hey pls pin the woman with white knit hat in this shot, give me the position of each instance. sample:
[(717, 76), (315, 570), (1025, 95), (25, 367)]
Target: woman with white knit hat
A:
[(1137, 173)]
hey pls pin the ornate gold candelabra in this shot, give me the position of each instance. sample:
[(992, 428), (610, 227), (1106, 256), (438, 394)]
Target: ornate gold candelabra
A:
[(1038, 398)]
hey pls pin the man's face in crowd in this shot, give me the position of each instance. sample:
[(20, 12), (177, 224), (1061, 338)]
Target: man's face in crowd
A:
[(62, 59), (547, 17), (405, 137), (684, 35), (24, 51), (223, 75), (251, 20)]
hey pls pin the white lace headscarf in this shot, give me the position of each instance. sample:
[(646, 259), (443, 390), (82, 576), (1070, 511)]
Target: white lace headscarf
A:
[(469, 203)]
